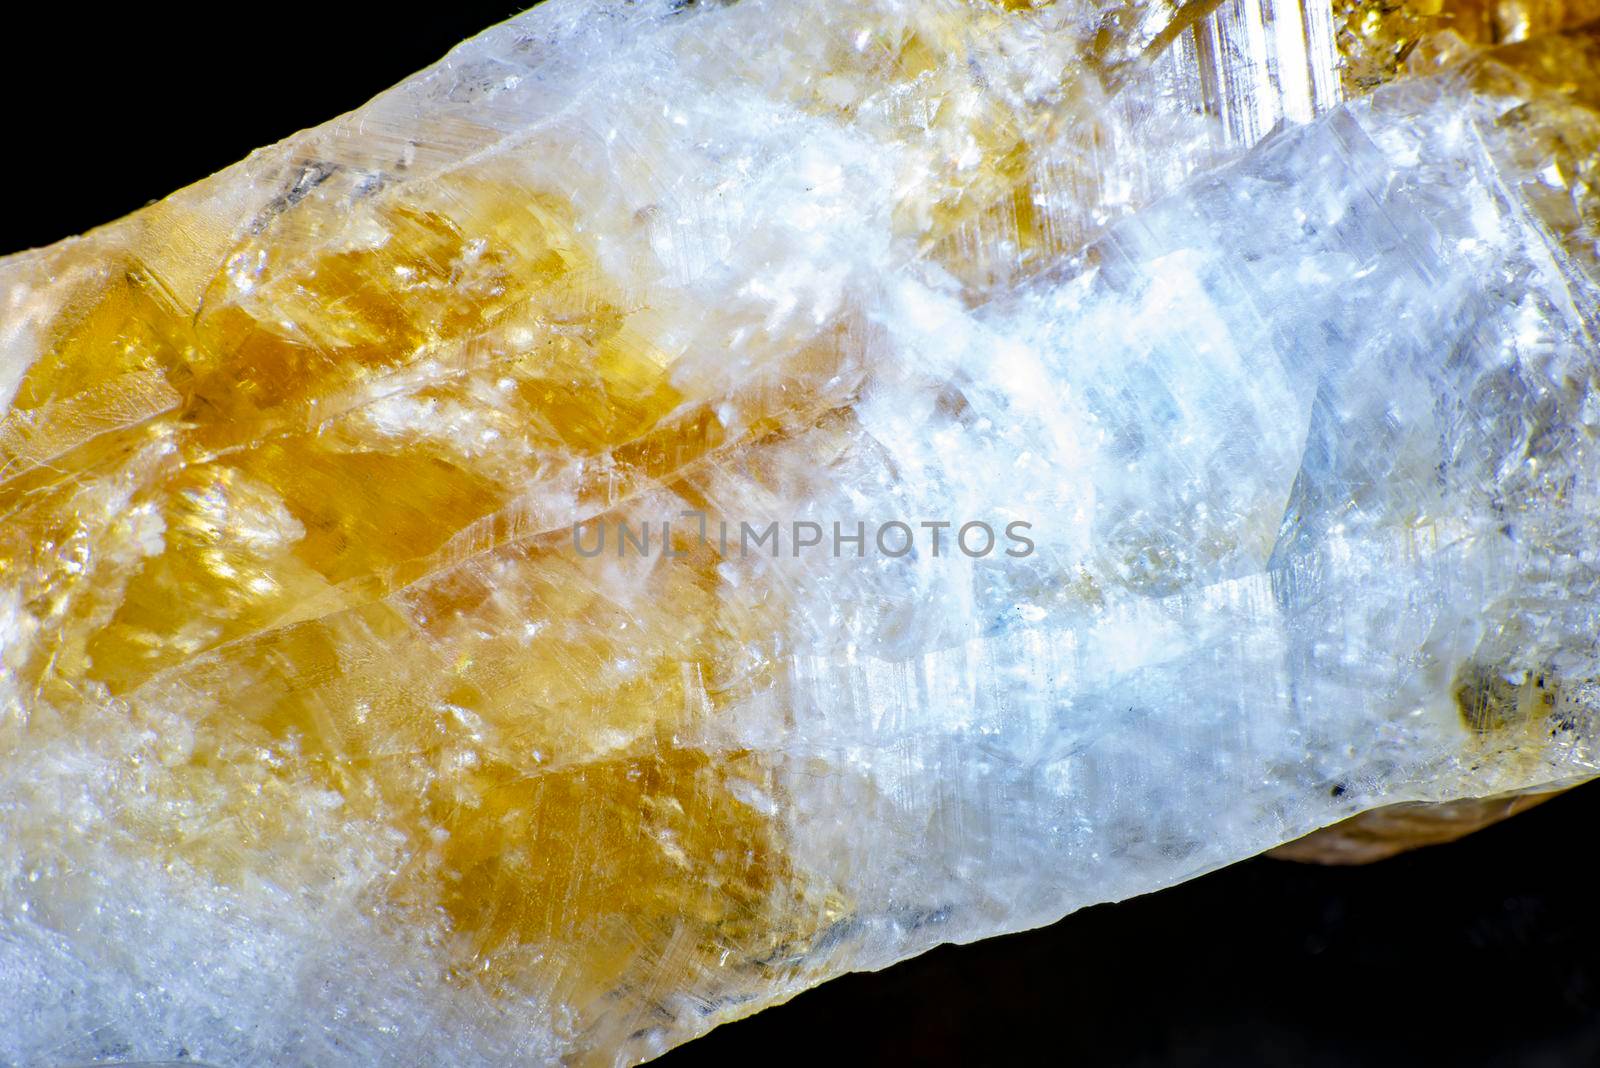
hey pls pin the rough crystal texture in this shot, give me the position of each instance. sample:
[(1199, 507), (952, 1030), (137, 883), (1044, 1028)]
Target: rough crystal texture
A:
[(324, 743)]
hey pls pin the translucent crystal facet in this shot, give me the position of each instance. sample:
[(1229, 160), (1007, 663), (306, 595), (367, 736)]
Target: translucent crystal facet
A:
[(1270, 329)]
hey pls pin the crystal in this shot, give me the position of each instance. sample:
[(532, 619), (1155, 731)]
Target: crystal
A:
[(471, 587), (1380, 833)]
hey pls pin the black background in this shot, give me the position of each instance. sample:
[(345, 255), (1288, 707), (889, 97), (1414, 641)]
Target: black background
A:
[(1482, 952)]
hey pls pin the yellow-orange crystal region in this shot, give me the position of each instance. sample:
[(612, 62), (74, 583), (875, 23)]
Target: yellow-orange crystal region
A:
[(374, 611), (287, 499)]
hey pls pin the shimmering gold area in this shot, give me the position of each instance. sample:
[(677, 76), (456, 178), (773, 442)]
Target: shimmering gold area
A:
[(359, 594), (1556, 132), (1376, 39)]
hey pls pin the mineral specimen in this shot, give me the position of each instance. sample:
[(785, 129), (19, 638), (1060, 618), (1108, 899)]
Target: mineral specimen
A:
[(679, 501)]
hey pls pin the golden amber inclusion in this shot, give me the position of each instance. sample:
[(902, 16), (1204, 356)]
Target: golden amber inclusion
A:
[(365, 608)]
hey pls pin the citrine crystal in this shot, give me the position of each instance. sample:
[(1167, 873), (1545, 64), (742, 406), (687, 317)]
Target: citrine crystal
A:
[(1261, 337)]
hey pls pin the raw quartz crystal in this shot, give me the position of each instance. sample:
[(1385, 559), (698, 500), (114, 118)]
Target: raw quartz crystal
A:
[(323, 744)]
